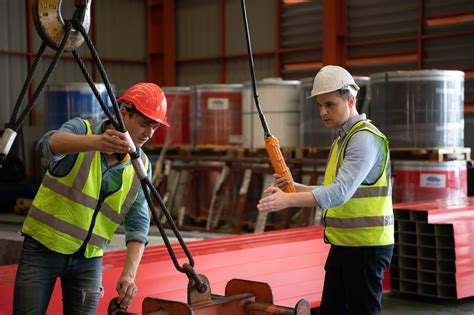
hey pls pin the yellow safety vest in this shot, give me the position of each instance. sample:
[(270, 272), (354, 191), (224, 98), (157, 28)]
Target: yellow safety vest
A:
[(367, 218), (68, 210)]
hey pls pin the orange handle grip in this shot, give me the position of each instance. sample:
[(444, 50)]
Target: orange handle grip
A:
[(273, 149)]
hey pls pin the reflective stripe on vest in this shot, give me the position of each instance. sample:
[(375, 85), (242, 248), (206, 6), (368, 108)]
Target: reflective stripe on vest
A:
[(64, 207), (367, 218)]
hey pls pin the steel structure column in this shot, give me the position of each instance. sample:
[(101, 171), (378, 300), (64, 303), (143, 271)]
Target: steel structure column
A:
[(334, 32), (421, 23), (223, 75), (29, 48), (161, 42), (278, 65)]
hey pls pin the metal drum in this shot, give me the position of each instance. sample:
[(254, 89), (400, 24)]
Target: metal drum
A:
[(427, 180), (279, 101), (216, 114), (178, 100), (419, 108), (312, 130), (363, 83), (66, 101)]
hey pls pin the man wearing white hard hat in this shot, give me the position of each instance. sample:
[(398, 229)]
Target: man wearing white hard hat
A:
[(356, 199)]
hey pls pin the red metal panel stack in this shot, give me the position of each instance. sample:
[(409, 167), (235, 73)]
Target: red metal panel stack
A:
[(434, 253), (290, 261)]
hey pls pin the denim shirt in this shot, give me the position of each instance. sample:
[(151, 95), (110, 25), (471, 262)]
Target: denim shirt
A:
[(137, 220), (363, 164)]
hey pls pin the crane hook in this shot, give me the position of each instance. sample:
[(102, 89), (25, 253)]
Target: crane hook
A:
[(50, 24)]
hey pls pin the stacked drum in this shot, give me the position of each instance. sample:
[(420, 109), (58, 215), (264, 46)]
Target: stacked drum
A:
[(419, 109), (66, 101), (216, 114), (178, 101), (279, 101), (422, 109)]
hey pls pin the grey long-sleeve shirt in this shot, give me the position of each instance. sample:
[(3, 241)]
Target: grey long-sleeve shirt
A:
[(363, 164)]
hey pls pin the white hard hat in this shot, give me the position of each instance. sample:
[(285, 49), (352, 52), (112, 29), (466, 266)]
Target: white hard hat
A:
[(333, 78)]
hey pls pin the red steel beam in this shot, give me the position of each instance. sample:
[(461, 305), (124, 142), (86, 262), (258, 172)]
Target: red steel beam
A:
[(334, 32), (223, 75), (278, 65), (161, 42), (419, 44), (290, 261)]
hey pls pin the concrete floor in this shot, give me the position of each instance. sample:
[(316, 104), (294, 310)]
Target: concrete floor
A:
[(401, 304)]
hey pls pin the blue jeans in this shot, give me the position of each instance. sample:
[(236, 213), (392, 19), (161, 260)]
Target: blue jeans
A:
[(353, 280), (39, 267)]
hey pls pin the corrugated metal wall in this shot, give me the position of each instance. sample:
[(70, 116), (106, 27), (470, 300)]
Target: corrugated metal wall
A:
[(371, 24), (262, 26), (199, 40), (455, 52), (12, 68), (301, 26)]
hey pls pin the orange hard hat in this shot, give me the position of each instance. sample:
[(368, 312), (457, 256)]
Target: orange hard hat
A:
[(149, 100)]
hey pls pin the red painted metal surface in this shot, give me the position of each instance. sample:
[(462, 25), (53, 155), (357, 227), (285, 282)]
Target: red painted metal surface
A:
[(290, 261), (216, 114), (412, 180), (178, 99)]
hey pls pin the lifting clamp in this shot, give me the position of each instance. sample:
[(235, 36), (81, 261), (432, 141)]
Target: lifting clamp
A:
[(242, 297)]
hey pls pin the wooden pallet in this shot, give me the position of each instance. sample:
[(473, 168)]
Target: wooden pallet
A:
[(431, 154), (288, 152)]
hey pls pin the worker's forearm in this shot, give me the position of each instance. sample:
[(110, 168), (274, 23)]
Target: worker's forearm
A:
[(302, 188), (301, 199), (65, 143), (132, 261)]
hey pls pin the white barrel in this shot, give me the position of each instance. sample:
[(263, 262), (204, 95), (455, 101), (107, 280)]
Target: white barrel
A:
[(279, 101)]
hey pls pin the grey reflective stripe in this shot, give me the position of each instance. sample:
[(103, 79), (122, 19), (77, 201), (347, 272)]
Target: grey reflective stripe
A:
[(349, 223), (81, 198), (365, 192), (118, 217), (84, 170), (110, 213), (65, 227), (131, 196), (72, 194), (388, 171)]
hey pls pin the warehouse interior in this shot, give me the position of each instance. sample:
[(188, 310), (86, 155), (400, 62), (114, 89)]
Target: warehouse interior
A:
[(414, 65)]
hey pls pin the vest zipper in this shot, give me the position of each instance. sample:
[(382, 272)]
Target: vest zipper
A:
[(94, 216)]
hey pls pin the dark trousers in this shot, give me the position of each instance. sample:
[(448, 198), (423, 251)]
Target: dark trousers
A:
[(39, 267), (353, 281)]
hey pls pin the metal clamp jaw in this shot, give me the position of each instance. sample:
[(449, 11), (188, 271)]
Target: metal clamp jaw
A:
[(50, 24)]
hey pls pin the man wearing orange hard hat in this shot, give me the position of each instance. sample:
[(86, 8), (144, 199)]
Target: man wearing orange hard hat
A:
[(83, 198)]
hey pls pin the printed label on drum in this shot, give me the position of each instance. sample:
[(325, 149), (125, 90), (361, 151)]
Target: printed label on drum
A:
[(235, 139), (433, 180), (218, 103)]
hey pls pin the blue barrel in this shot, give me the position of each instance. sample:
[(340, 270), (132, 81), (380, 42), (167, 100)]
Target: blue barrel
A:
[(66, 101)]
